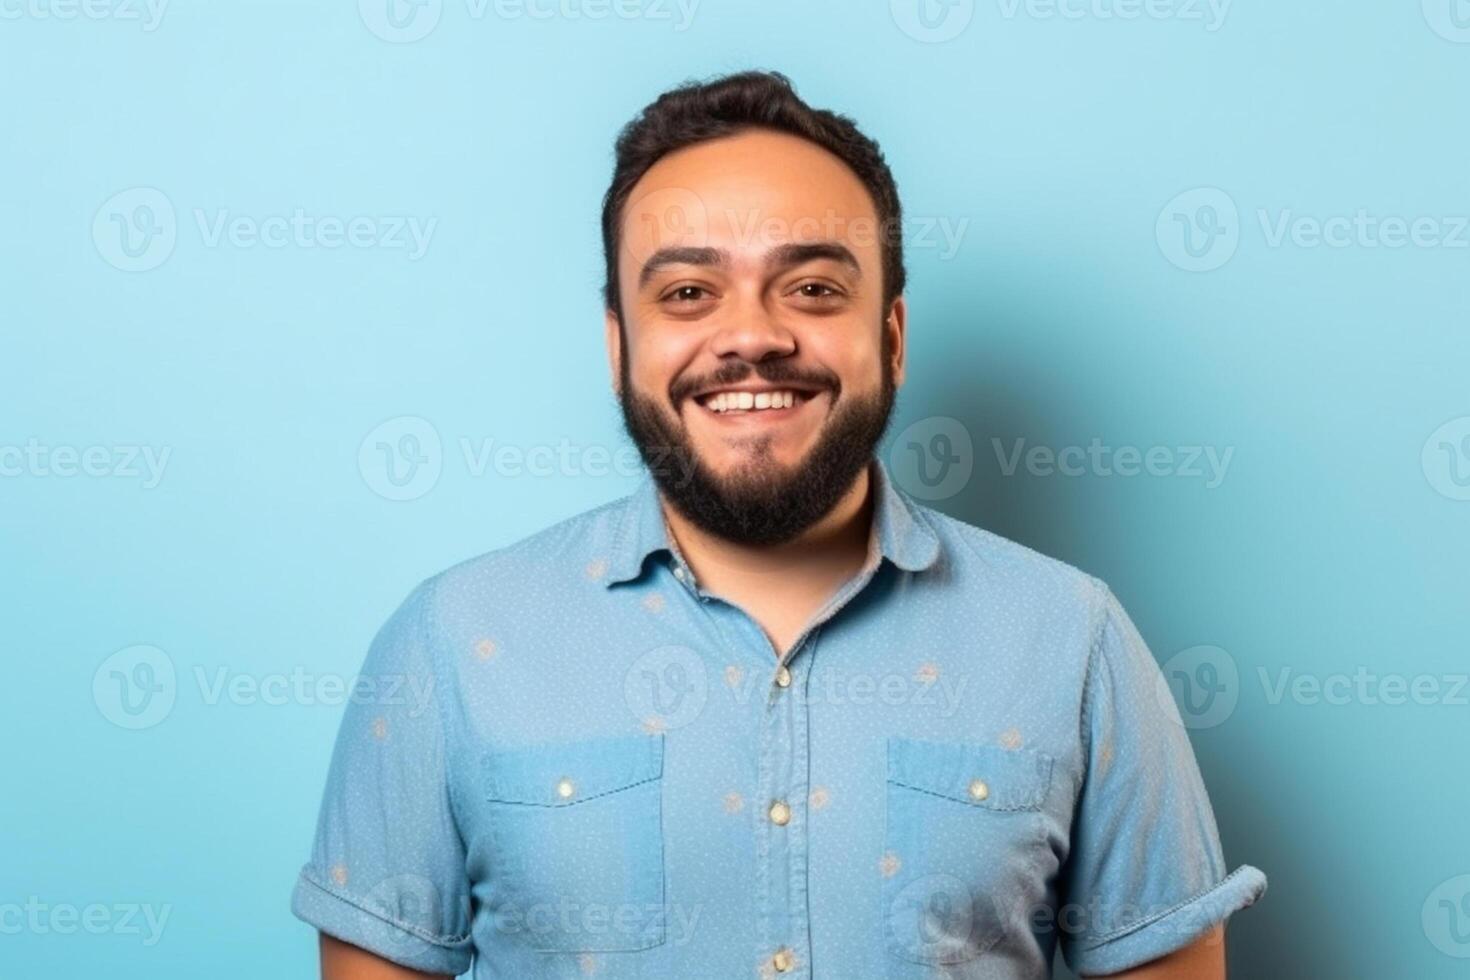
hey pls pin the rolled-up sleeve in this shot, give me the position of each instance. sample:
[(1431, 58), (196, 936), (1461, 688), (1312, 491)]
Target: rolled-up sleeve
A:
[(387, 869), (1146, 875)]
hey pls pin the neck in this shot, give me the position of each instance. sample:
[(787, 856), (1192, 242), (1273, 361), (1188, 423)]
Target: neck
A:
[(830, 550)]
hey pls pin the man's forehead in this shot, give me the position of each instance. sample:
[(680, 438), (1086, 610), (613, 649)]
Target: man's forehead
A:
[(748, 195)]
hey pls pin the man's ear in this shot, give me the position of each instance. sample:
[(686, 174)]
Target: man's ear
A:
[(897, 325), (614, 338)]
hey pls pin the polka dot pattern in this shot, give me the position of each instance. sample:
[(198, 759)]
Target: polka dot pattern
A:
[(577, 761)]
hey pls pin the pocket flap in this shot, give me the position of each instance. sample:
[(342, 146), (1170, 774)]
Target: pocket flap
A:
[(981, 775), (568, 773)]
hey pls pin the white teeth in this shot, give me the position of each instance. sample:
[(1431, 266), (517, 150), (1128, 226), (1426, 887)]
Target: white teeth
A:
[(727, 401)]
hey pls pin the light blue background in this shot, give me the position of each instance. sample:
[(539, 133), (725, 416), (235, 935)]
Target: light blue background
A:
[(1336, 540)]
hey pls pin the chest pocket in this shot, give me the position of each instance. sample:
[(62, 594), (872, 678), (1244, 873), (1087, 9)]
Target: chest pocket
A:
[(964, 838), (577, 843)]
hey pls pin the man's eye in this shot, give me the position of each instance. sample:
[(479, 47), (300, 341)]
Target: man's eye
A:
[(817, 290), (686, 294)]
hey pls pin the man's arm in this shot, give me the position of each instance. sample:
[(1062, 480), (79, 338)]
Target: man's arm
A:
[(343, 961), (1202, 960)]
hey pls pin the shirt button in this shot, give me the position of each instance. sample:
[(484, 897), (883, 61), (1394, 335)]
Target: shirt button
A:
[(783, 961), (565, 788), (978, 789), (780, 813), (679, 572), (783, 677)]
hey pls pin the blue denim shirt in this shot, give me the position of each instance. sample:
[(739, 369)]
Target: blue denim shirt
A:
[(566, 759)]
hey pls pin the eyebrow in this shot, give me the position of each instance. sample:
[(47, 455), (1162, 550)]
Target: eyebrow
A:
[(781, 257)]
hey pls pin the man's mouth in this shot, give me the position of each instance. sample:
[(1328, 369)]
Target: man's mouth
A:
[(733, 401)]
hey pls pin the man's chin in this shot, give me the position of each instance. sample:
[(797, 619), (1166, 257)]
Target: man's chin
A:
[(741, 469)]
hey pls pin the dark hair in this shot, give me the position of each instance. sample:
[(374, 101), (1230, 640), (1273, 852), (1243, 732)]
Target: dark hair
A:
[(699, 111)]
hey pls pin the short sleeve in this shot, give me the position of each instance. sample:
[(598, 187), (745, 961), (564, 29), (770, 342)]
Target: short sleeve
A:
[(387, 869), (1145, 875)]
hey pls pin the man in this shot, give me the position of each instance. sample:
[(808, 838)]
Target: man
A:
[(766, 716)]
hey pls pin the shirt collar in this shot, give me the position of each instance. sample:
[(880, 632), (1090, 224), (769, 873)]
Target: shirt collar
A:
[(902, 534)]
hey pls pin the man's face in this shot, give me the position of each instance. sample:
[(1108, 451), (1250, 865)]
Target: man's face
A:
[(751, 277)]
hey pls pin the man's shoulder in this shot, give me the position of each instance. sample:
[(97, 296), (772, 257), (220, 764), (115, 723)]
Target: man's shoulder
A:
[(575, 545), (1005, 570)]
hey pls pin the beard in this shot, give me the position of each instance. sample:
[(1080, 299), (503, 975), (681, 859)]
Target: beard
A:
[(759, 502)]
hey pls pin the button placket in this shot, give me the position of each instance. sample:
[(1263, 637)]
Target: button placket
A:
[(781, 872)]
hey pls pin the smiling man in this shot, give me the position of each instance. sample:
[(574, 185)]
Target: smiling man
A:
[(767, 715)]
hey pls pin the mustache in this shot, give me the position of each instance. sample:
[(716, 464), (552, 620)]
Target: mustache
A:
[(771, 372)]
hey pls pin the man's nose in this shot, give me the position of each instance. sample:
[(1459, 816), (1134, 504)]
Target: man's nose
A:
[(753, 334)]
